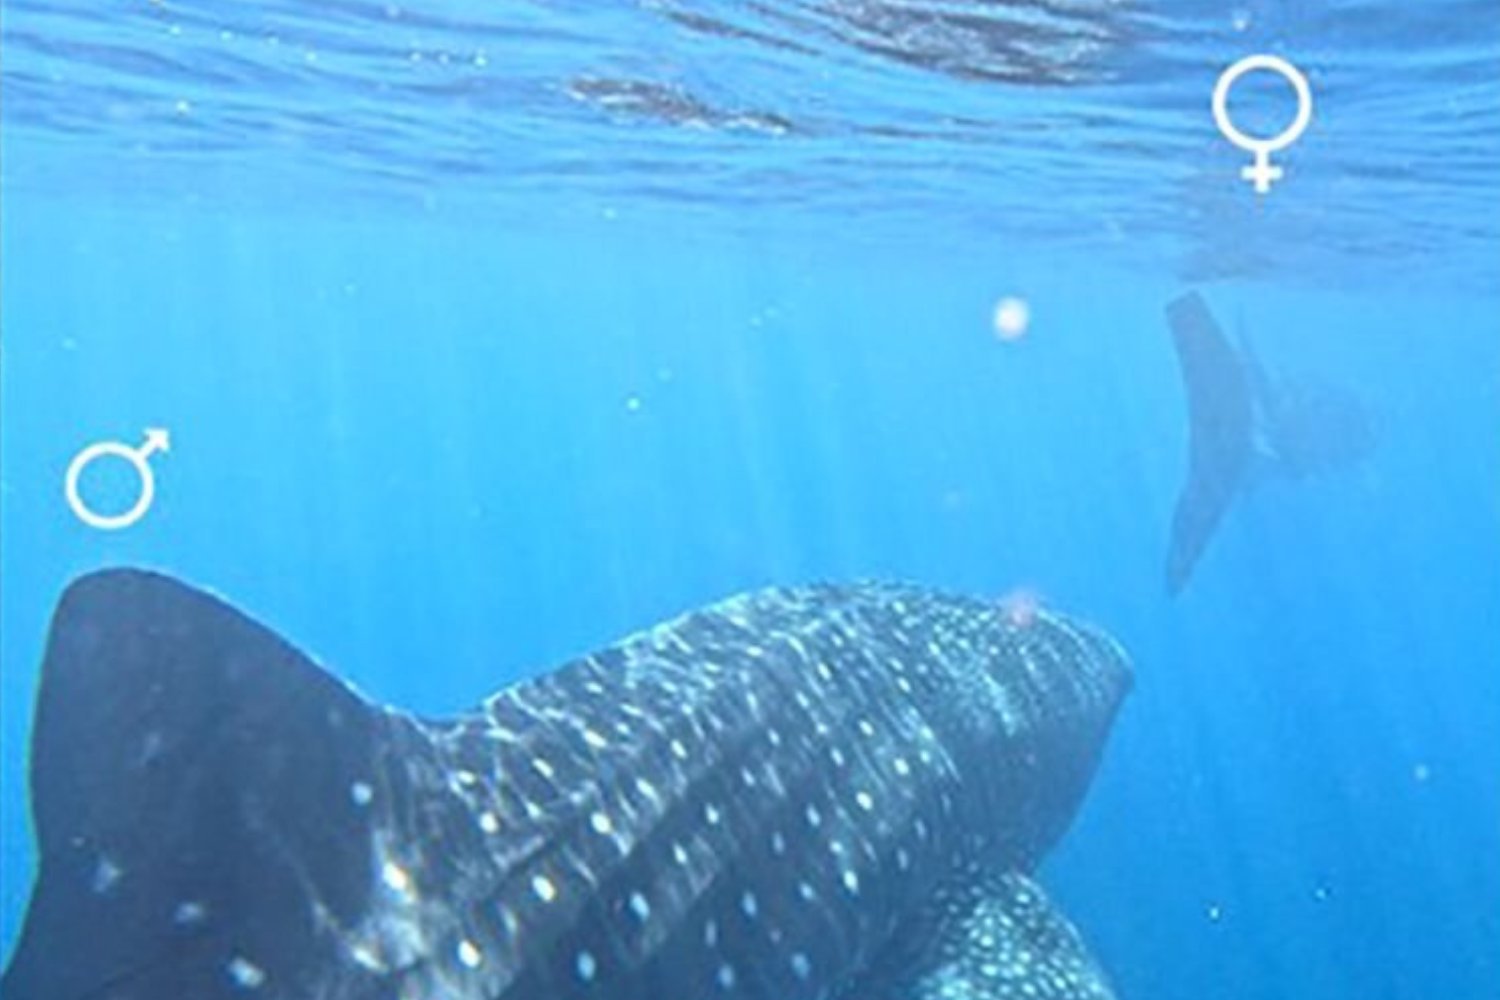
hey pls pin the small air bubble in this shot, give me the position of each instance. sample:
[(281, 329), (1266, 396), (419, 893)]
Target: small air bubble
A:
[(1012, 318)]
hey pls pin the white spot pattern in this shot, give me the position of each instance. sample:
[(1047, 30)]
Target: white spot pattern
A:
[(778, 809)]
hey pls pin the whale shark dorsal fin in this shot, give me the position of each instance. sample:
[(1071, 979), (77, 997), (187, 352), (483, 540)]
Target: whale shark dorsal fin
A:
[(191, 779), (1221, 432), (995, 937)]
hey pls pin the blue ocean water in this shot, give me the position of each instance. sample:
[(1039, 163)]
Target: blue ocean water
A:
[(485, 337)]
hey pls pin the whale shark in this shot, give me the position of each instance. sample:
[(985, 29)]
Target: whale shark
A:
[(823, 792), (1246, 426)]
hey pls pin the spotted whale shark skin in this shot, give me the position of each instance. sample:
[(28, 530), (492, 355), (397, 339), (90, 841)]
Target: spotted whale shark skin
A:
[(813, 793)]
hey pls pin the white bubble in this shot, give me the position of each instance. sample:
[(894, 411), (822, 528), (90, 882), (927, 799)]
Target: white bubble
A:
[(1012, 317)]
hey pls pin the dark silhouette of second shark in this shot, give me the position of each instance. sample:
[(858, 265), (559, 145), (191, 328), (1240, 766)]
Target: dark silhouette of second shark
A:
[(1244, 426)]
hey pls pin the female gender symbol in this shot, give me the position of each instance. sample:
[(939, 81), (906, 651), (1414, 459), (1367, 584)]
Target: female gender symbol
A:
[(1261, 172)]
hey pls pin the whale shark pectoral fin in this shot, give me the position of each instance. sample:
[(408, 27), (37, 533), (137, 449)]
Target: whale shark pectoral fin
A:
[(999, 938), (191, 780), (1221, 432)]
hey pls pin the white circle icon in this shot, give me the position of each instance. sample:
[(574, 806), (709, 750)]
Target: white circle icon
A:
[(1261, 172), (156, 440)]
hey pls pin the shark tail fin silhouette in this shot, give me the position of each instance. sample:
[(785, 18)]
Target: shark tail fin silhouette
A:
[(1258, 379), (191, 779), (1221, 425)]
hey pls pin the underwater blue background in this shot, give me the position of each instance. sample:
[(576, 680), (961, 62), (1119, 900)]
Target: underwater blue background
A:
[(447, 426)]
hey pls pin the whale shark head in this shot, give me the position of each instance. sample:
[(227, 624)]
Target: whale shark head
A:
[(1049, 698)]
